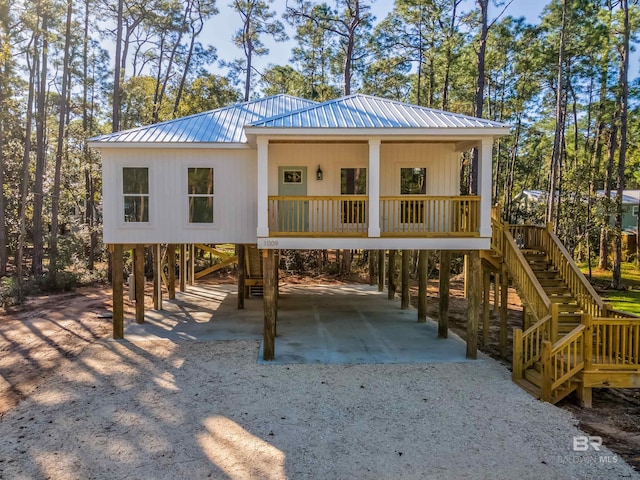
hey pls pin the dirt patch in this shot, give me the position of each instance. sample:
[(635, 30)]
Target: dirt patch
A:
[(50, 332), (615, 414)]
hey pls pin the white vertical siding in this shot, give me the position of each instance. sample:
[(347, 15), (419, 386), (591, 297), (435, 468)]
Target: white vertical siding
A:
[(441, 161), (330, 156), (235, 186)]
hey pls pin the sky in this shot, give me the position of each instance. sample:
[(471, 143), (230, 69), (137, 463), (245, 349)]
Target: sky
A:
[(221, 28)]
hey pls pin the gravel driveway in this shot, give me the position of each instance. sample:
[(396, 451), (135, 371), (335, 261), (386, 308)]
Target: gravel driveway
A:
[(174, 410)]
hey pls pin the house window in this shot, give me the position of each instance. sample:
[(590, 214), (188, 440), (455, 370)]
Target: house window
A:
[(135, 190), (635, 211), (353, 181), (413, 181), (200, 194), (292, 176)]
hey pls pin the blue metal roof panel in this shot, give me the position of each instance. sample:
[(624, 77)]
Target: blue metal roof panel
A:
[(364, 111), (223, 125)]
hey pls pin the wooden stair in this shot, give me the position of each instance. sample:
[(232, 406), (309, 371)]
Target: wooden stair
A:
[(569, 312)]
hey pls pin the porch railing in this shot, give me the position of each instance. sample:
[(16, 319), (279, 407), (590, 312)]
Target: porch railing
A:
[(319, 216), (417, 215)]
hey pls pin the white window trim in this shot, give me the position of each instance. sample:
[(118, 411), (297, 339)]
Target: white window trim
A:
[(186, 195), (120, 181)]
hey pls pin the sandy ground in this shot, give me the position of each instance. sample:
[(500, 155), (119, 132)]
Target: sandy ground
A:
[(81, 408)]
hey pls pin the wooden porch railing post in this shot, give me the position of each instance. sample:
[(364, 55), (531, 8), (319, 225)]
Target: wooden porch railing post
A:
[(547, 377), (587, 321), (516, 373), (554, 322)]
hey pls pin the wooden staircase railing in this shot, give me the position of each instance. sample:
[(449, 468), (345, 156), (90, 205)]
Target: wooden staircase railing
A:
[(606, 342)]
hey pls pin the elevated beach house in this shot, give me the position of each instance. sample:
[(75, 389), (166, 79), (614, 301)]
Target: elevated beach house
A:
[(358, 172)]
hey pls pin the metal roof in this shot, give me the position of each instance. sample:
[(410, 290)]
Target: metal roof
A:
[(223, 125), (365, 111), (629, 197)]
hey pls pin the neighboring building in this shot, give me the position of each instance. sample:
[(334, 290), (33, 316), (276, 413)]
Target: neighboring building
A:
[(630, 202)]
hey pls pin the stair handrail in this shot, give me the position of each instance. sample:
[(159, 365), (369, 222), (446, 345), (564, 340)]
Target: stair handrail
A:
[(527, 346), (561, 361), (525, 278), (583, 291)]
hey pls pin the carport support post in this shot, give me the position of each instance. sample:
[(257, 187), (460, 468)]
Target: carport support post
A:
[(241, 275), (406, 260), (138, 274), (183, 267), (270, 308), (157, 277), (443, 296), (118, 291), (504, 293), (192, 264), (392, 275), (486, 290), (171, 263), (372, 267), (381, 270), (475, 285), (422, 286)]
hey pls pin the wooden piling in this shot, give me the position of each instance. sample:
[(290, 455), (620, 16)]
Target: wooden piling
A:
[(422, 286), (391, 287), (486, 291), (504, 310), (406, 263), (192, 264), (381, 270), (372, 267), (443, 301), (268, 276), (118, 291), (183, 267), (241, 275), (157, 277), (474, 287), (171, 278), (138, 273)]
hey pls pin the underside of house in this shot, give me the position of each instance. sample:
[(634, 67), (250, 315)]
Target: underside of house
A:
[(362, 173)]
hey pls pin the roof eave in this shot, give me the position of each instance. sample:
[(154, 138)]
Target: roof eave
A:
[(173, 145), (454, 133)]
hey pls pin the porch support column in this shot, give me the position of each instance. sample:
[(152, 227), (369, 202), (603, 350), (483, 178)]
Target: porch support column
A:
[(138, 274), (270, 306), (475, 287), (171, 277), (422, 286), (263, 187), (443, 300), (374, 187), (406, 261), (484, 184), (118, 291)]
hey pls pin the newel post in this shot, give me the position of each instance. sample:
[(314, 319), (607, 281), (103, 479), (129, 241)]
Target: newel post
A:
[(547, 379)]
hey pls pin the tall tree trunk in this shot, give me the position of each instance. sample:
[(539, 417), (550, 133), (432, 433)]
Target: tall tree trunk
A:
[(24, 187), (479, 99), (55, 198), (557, 138), (117, 71), (3, 221), (616, 278), (86, 153), (41, 152)]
